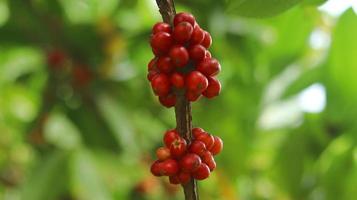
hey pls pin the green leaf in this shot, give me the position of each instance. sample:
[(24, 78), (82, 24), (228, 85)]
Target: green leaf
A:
[(260, 8)]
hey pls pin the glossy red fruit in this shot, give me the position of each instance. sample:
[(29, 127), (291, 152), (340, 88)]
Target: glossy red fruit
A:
[(179, 56), (207, 139), (190, 162), (209, 67), (174, 179), (182, 32), (152, 74), (213, 89), (197, 52), (156, 168), (207, 41), (163, 153), (197, 35), (184, 177), (202, 172), (208, 159), (164, 64), (217, 147), (178, 147), (161, 84), (196, 82), (184, 17), (177, 80), (197, 147), (170, 136), (168, 101), (161, 42), (197, 131), (208, 54), (152, 64), (161, 27), (169, 167), (192, 96)]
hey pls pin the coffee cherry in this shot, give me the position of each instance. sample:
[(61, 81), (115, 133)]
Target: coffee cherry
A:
[(217, 147), (152, 74), (169, 167), (192, 96), (179, 56), (161, 27), (178, 147), (164, 64), (182, 32), (207, 41), (184, 17), (196, 82), (177, 80), (156, 168), (170, 136), (152, 64), (190, 162), (168, 101), (161, 43), (174, 179), (197, 53), (208, 159), (161, 84), (197, 147), (202, 172), (207, 139), (163, 153), (197, 132), (197, 36), (213, 89), (209, 67), (184, 177), (208, 55)]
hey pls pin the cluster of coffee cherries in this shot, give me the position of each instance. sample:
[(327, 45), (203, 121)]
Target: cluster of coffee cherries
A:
[(182, 61), (181, 161)]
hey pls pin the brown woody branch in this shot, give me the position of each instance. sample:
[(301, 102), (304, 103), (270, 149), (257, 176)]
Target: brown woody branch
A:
[(183, 106)]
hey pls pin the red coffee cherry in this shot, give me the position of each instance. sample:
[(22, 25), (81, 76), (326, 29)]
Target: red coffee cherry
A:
[(152, 74), (197, 53), (152, 64), (184, 177), (208, 55), (170, 136), (161, 27), (174, 179), (182, 32), (161, 84), (197, 147), (169, 167), (209, 67), (179, 56), (156, 168), (168, 101), (178, 147), (161, 42), (163, 153), (207, 139), (190, 162), (192, 96), (164, 64), (184, 17), (197, 36), (197, 132), (202, 172), (208, 159), (213, 89), (217, 147), (196, 82), (177, 80), (207, 41)]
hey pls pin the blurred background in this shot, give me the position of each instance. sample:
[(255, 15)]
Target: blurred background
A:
[(78, 120)]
